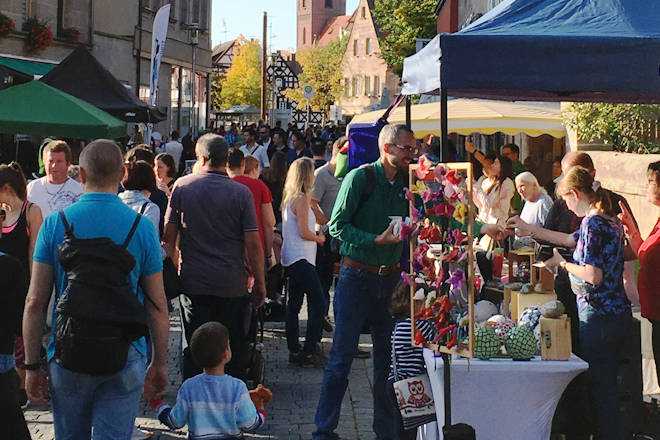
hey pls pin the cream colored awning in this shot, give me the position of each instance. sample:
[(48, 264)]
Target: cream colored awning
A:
[(467, 116)]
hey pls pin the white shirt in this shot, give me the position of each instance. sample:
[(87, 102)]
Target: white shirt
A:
[(259, 152), (294, 247), (174, 149), (52, 197)]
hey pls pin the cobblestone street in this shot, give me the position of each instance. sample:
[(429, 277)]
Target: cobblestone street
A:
[(290, 415)]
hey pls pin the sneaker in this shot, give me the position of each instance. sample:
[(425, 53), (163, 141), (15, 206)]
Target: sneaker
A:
[(362, 354), (327, 324), (23, 399), (301, 359)]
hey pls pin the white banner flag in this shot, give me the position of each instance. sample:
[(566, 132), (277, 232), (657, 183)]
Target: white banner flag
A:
[(158, 38)]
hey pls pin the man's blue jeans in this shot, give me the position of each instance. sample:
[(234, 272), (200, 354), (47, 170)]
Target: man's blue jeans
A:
[(600, 340), (106, 404), (360, 297)]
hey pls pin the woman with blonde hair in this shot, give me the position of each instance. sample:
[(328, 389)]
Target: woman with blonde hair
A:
[(597, 280), (299, 259)]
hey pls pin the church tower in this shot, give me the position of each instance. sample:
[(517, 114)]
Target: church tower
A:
[(313, 16)]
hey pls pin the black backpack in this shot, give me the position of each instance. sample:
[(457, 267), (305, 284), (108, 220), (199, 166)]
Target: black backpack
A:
[(99, 315)]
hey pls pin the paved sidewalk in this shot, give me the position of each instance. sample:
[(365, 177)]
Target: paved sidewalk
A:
[(290, 415)]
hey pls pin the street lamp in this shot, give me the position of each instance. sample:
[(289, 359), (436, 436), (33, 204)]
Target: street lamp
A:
[(194, 30)]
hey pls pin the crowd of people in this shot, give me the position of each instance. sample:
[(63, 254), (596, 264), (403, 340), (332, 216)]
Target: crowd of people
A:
[(257, 205)]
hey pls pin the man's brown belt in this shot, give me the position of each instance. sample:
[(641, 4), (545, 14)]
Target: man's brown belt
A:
[(380, 270)]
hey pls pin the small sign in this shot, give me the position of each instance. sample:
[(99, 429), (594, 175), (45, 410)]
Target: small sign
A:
[(420, 43), (308, 91)]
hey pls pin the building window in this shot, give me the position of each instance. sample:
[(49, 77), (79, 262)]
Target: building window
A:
[(355, 86), (328, 4), (183, 12), (304, 36), (368, 46), (364, 12), (347, 87), (356, 47), (376, 86), (367, 86)]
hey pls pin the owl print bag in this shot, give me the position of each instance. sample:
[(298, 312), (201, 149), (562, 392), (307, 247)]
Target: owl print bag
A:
[(414, 398)]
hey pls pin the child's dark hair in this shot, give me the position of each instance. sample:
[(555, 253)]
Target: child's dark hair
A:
[(400, 306), (208, 344)]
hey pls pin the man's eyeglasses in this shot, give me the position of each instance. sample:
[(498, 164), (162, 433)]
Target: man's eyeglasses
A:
[(407, 148)]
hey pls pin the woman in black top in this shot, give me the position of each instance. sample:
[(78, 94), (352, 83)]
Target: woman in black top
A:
[(12, 300)]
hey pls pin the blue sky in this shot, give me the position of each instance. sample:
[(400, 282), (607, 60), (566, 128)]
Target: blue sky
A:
[(233, 17)]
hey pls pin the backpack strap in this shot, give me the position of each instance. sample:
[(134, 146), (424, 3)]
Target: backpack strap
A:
[(132, 231), (144, 208), (367, 188), (67, 227)]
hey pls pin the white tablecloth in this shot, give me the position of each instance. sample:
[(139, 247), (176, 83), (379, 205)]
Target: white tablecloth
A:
[(502, 399)]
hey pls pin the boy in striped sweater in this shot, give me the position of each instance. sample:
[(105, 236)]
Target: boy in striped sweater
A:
[(213, 404), (407, 360)]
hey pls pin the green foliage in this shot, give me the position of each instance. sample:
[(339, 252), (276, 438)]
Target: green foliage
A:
[(628, 127), (400, 23), (217, 80), (242, 86), (321, 68)]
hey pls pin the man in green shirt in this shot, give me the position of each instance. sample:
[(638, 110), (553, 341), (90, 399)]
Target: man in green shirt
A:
[(369, 271)]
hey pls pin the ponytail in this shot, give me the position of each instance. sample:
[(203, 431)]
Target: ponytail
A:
[(602, 201), (579, 178)]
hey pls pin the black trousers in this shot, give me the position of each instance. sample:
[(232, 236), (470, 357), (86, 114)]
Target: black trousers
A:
[(325, 267), (13, 425), (233, 313)]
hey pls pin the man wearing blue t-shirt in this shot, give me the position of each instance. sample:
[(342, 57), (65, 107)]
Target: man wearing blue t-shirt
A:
[(82, 402)]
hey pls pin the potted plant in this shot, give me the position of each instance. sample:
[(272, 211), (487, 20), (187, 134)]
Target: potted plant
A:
[(39, 35), (71, 35), (6, 25)]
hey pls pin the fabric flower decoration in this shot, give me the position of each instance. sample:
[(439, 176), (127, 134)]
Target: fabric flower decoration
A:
[(410, 196), (424, 168), (451, 255), (418, 188), (456, 279), (414, 214), (444, 209), (460, 213), (454, 177), (439, 174), (406, 230), (407, 279), (430, 195)]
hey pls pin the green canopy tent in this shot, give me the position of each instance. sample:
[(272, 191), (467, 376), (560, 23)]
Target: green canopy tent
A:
[(38, 109)]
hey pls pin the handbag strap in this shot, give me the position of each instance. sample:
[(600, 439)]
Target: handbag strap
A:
[(394, 368)]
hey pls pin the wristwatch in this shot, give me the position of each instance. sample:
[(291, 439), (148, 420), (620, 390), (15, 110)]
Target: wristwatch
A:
[(32, 367)]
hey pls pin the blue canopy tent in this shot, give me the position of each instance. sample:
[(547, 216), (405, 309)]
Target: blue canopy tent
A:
[(557, 50)]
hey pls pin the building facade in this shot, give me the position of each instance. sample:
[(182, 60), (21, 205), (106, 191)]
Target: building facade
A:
[(368, 82), (118, 34)]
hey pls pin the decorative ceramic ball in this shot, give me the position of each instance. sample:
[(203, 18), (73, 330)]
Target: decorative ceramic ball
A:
[(487, 343), (530, 318), (484, 310), (521, 344), (537, 335), (502, 326)]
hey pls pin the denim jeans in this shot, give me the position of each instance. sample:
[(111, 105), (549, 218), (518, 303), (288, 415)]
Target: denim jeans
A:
[(304, 279), (361, 297), (600, 338), (106, 405)]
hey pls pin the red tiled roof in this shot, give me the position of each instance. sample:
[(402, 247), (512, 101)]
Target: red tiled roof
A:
[(332, 27)]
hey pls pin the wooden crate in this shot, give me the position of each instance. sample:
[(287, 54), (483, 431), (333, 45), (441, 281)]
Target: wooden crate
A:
[(514, 260), (556, 338), (541, 275), (523, 301)]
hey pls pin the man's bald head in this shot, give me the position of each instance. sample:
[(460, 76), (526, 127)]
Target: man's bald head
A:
[(574, 158), (102, 163)]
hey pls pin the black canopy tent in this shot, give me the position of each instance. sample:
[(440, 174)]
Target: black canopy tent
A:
[(81, 75)]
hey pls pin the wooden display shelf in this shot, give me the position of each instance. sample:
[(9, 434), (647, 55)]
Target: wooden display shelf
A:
[(462, 349)]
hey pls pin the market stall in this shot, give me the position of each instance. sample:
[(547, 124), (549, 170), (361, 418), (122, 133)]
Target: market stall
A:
[(500, 398), (81, 75), (38, 109)]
